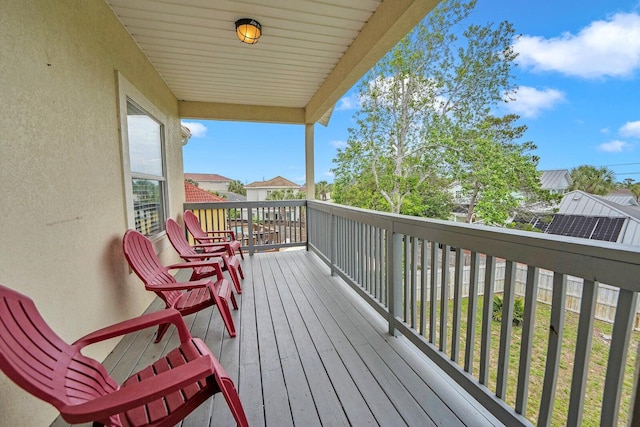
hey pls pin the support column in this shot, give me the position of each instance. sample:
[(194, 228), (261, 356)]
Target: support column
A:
[(308, 139)]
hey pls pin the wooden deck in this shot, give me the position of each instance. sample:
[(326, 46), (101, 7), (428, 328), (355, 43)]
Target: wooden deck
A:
[(310, 353)]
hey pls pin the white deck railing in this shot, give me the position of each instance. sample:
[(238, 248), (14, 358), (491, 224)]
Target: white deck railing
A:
[(447, 311)]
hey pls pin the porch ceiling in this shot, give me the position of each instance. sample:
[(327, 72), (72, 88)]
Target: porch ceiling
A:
[(311, 51)]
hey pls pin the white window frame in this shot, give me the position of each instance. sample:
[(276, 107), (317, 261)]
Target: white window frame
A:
[(128, 92)]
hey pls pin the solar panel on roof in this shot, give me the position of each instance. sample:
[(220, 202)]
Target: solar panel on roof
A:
[(608, 229), (587, 227)]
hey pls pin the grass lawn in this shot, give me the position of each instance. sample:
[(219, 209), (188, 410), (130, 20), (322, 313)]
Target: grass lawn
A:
[(597, 366)]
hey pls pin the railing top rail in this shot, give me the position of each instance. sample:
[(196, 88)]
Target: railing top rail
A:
[(246, 204), (612, 263)]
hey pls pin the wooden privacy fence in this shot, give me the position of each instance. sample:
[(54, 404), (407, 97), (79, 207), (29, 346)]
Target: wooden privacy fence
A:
[(606, 302)]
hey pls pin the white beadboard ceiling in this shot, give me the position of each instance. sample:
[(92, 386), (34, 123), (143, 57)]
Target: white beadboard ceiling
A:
[(193, 46)]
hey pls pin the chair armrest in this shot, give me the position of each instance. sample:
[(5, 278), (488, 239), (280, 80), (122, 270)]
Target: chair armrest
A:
[(137, 394), (226, 245), (229, 232), (191, 264), (180, 286), (132, 325)]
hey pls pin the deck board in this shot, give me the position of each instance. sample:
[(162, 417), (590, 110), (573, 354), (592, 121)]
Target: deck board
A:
[(309, 353)]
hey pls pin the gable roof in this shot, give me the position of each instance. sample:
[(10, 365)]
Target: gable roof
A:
[(277, 182), (206, 177), (193, 194), (555, 179)]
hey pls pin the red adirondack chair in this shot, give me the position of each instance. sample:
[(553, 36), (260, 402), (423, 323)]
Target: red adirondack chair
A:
[(186, 297), (41, 363), (221, 236), (188, 253)]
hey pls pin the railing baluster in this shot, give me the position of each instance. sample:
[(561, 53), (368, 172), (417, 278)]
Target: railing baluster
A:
[(444, 297), (505, 328), (556, 329), (457, 305), (528, 323), (472, 310), (406, 279), (614, 379), (487, 310), (414, 287), (434, 292), (424, 282), (583, 351)]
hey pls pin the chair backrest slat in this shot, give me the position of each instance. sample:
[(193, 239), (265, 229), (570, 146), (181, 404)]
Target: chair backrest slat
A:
[(37, 359), (192, 223), (139, 252)]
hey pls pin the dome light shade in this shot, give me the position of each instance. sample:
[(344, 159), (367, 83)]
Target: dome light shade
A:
[(248, 30)]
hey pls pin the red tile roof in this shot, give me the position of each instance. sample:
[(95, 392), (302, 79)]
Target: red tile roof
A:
[(193, 194)]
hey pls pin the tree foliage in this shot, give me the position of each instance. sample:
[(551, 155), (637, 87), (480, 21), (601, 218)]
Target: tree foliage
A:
[(237, 187), (426, 114), (592, 179), (287, 194)]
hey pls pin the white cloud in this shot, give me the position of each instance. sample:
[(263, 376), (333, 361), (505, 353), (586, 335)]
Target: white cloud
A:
[(348, 102), (339, 144), (529, 101), (198, 130), (328, 174), (630, 129), (614, 147), (604, 48)]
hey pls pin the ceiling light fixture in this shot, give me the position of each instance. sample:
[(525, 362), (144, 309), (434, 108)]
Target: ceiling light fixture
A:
[(248, 30)]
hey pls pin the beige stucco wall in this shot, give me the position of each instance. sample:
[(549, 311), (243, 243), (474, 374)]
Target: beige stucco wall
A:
[(61, 179)]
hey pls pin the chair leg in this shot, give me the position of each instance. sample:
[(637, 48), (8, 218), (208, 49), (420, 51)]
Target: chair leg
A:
[(162, 329), (223, 306), (241, 253), (240, 271), (233, 301), (232, 268), (230, 394)]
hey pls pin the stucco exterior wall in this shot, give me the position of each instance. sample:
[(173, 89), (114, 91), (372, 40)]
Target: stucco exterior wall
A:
[(61, 175)]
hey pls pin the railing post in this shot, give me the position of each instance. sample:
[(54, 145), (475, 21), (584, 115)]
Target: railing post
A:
[(333, 242), (250, 230), (394, 276)]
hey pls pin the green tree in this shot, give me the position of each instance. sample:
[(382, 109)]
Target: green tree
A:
[(285, 195), (236, 186), (415, 100), (323, 189), (592, 179), (495, 173)]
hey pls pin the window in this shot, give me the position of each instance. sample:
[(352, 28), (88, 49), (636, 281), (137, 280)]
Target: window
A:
[(143, 136), (147, 171)]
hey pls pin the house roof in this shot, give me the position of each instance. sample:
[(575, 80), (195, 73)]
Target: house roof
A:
[(555, 179), (310, 54), (277, 182), (623, 197), (206, 177), (193, 194)]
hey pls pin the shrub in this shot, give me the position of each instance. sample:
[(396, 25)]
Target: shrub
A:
[(518, 310)]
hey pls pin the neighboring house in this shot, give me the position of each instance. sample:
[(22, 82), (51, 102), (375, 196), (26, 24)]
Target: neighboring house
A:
[(555, 181), (623, 197), (593, 217), (259, 190), (211, 182)]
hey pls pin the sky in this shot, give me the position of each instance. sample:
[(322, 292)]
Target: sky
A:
[(578, 75)]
